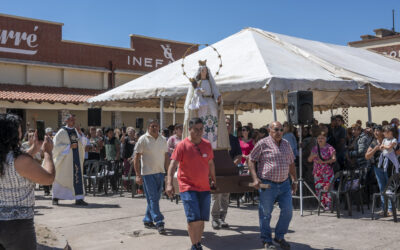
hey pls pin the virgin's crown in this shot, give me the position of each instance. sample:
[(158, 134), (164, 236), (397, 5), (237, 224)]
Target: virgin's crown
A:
[(202, 63)]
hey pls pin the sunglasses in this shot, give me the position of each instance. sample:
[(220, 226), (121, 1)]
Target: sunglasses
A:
[(244, 130), (278, 129), (198, 149)]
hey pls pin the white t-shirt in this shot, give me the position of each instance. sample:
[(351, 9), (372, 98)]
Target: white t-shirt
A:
[(153, 153), (387, 142)]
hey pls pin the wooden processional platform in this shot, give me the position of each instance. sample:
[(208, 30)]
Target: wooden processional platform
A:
[(228, 178)]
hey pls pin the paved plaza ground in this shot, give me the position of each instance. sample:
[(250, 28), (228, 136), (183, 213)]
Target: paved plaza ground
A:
[(114, 222)]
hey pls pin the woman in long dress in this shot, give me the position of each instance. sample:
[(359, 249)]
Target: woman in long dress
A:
[(323, 155), (204, 101)]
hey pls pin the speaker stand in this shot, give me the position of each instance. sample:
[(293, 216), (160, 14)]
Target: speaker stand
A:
[(301, 181)]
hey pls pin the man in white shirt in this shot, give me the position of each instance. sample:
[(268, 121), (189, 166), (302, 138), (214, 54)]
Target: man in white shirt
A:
[(152, 151)]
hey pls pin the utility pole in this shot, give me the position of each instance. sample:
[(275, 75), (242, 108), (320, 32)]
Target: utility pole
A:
[(393, 20)]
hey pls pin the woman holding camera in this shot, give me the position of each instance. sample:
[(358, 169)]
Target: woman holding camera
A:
[(18, 174)]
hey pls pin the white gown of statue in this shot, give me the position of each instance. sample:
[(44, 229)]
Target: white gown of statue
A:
[(202, 102)]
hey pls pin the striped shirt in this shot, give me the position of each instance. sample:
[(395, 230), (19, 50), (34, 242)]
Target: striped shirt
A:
[(273, 160)]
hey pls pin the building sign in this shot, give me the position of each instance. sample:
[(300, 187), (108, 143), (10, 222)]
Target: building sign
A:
[(159, 52), (41, 41), (393, 51), (11, 41)]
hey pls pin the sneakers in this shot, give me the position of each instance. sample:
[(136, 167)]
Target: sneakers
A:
[(197, 246), (55, 202), (149, 225), (269, 246), (161, 230), (81, 203), (223, 224), (216, 224), (283, 244)]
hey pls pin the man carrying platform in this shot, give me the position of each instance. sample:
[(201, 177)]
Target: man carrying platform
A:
[(195, 158)]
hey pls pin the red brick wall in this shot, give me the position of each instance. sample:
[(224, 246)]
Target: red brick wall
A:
[(42, 41), (393, 50)]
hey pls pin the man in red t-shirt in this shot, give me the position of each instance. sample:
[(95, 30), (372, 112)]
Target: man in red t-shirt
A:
[(195, 158)]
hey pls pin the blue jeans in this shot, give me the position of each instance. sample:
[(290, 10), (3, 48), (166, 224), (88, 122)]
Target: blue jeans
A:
[(282, 193), (196, 205), (153, 185), (382, 179)]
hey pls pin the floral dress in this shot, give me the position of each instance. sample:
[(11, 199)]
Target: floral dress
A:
[(323, 173)]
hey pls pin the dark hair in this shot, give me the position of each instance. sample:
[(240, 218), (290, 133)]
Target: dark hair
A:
[(378, 127), (247, 128), (264, 131), (151, 121), (166, 132), (195, 121), (390, 128), (9, 137), (108, 130), (340, 118), (178, 125), (198, 75)]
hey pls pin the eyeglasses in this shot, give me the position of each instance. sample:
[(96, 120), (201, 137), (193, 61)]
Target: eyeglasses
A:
[(278, 129), (244, 130)]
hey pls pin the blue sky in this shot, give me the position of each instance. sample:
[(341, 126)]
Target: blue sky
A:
[(111, 22)]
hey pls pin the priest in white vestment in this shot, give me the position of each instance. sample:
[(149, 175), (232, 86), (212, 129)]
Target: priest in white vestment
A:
[(68, 156)]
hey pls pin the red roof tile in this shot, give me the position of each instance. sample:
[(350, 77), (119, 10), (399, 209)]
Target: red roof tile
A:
[(14, 92)]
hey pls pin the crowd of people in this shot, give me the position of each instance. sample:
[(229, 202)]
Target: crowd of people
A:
[(58, 161)]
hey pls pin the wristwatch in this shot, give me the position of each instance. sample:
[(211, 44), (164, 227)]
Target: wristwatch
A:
[(295, 182)]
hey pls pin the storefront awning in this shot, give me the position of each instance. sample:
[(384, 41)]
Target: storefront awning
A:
[(28, 93)]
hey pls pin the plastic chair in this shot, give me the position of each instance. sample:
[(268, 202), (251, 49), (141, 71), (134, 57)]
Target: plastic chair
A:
[(353, 184), (335, 193), (389, 193), (112, 172), (131, 179), (87, 166), (97, 175)]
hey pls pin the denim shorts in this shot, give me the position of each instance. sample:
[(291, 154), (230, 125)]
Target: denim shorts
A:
[(196, 205)]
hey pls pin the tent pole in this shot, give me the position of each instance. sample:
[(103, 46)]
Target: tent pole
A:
[(234, 117), (369, 103), (174, 115), (161, 113), (273, 103)]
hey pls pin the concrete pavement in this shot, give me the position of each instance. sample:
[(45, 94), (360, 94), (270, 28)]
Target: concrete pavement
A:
[(114, 222)]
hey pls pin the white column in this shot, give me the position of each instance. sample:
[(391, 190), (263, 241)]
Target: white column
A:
[(369, 103), (273, 104), (161, 113)]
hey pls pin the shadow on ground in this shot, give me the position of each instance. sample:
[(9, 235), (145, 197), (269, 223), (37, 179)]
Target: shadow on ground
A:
[(43, 247), (91, 206)]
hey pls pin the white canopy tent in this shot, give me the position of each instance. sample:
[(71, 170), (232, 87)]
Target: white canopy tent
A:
[(260, 67)]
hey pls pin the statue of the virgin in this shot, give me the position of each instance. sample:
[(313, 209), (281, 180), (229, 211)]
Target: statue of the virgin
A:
[(204, 100)]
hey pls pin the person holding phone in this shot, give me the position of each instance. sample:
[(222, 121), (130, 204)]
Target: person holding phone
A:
[(18, 174), (68, 155)]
